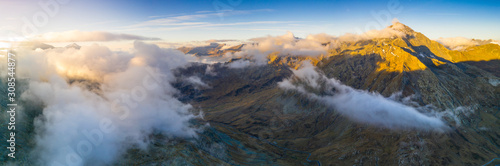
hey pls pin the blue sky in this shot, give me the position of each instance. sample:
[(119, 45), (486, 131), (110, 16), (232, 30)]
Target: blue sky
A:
[(192, 20)]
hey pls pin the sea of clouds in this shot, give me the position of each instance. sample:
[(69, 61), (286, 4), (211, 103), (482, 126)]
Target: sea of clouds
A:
[(98, 103)]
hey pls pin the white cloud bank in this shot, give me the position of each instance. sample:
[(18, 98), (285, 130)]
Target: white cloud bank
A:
[(84, 36), (461, 43), (313, 45), (358, 105), (287, 44), (197, 82), (122, 100)]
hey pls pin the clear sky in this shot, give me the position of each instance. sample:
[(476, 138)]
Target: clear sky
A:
[(197, 20)]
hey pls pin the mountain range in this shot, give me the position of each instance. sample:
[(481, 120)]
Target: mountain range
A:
[(462, 83), (399, 99)]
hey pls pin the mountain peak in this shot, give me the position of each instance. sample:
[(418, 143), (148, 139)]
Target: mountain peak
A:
[(396, 25)]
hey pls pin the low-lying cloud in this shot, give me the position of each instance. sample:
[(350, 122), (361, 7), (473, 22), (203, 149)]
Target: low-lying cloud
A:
[(313, 45), (287, 44), (461, 43), (85, 36), (239, 64), (359, 105), (196, 82), (99, 103)]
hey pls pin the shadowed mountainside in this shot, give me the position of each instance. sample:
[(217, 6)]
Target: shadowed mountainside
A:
[(293, 121)]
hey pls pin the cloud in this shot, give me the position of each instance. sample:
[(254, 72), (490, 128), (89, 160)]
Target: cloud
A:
[(239, 64), (388, 32), (457, 43), (187, 19), (221, 40), (321, 38), (395, 21), (89, 62), (210, 70), (84, 36), (313, 44), (118, 101), (228, 43), (286, 44), (359, 105), (196, 82), (460, 43), (201, 20), (171, 26)]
